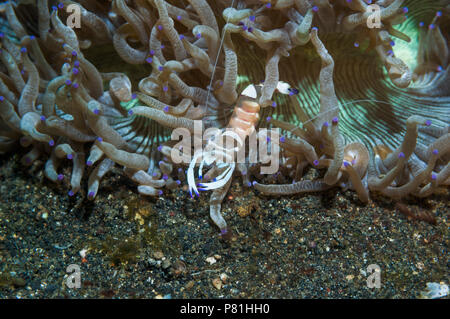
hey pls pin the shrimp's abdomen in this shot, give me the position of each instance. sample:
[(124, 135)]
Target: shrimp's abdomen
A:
[(244, 118)]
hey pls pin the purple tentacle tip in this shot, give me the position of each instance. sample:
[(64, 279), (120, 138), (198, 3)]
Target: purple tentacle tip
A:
[(42, 118), (51, 142), (401, 155), (268, 139), (316, 162), (99, 139), (165, 88), (326, 124), (166, 109), (149, 60), (314, 28), (159, 148), (71, 193), (198, 35), (353, 161), (252, 18), (75, 71), (69, 156), (178, 182), (428, 122), (130, 112), (160, 27), (315, 9), (160, 68), (89, 163), (2, 98), (356, 44), (254, 183), (182, 37), (68, 82), (274, 104), (74, 53), (23, 49), (60, 177), (268, 119), (435, 152), (433, 176), (405, 9), (282, 139), (269, 5), (223, 231), (178, 17), (91, 194), (76, 63), (60, 5), (160, 193), (152, 52), (335, 120), (96, 111), (75, 85), (346, 164)]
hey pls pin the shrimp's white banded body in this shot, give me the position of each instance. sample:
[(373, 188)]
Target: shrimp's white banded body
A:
[(242, 124)]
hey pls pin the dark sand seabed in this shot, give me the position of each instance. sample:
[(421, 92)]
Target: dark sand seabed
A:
[(314, 246)]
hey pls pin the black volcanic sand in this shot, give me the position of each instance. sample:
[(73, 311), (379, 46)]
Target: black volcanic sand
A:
[(314, 246)]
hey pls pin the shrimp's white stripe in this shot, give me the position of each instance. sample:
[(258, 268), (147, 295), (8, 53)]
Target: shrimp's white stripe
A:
[(250, 91)]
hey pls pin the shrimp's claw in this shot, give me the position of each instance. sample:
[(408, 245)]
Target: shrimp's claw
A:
[(190, 174)]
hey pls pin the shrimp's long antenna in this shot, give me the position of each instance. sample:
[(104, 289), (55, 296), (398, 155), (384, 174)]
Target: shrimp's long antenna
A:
[(217, 57)]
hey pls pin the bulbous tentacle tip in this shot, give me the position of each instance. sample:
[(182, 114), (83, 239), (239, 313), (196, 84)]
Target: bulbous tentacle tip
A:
[(226, 233)]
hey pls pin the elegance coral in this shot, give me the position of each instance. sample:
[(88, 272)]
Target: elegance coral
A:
[(195, 58)]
